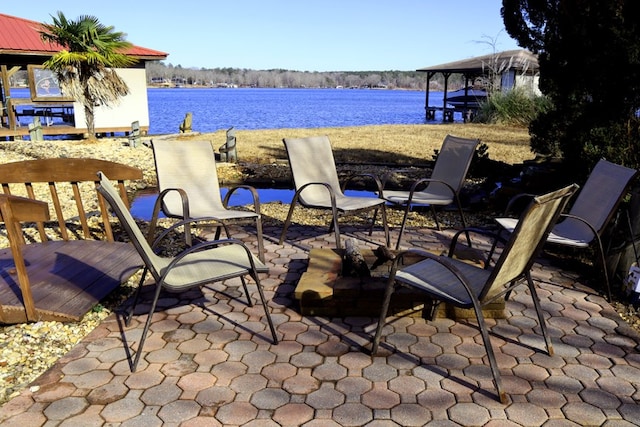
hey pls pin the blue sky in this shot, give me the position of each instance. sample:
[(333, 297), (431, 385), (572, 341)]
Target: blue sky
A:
[(328, 35)]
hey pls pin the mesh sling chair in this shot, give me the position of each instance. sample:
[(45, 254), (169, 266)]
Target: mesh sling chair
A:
[(198, 265), (443, 187), (316, 183), (593, 209), (463, 285), (189, 188)]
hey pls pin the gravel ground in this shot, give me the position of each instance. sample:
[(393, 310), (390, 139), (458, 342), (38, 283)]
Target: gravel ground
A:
[(27, 350)]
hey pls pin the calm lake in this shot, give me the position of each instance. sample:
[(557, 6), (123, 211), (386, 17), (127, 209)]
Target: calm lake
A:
[(248, 108), (261, 108)]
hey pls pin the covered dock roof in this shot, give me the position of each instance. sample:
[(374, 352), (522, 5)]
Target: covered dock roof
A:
[(518, 61)]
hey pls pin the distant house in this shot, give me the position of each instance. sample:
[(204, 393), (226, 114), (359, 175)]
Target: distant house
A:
[(513, 68), (21, 48)]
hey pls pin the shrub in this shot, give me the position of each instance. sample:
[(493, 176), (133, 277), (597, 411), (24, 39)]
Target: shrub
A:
[(515, 108)]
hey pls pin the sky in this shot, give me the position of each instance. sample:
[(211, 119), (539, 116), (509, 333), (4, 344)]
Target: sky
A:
[(312, 35)]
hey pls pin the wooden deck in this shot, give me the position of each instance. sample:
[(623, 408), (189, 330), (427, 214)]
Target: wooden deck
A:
[(67, 277), (57, 130)]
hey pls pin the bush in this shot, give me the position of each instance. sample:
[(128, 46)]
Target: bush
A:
[(514, 108)]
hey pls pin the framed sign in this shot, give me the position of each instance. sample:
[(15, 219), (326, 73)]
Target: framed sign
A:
[(44, 85)]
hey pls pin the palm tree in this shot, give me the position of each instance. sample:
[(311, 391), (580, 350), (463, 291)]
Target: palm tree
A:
[(84, 67)]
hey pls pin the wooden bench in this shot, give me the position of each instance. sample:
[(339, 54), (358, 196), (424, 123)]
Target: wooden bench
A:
[(59, 269)]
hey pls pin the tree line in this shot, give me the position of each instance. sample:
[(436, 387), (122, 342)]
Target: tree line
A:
[(158, 72)]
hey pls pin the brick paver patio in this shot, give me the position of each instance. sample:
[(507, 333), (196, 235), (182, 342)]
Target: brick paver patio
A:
[(209, 361)]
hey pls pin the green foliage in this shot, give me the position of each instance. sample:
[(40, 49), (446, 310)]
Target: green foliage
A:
[(515, 108), (84, 65), (589, 56)]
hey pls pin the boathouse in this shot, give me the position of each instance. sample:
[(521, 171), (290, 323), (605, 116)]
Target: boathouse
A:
[(509, 69), (22, 49)]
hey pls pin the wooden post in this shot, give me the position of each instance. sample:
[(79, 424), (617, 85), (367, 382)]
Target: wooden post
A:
[(35, 130)]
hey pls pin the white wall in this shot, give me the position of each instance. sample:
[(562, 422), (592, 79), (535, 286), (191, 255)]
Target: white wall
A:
[(132, 107)]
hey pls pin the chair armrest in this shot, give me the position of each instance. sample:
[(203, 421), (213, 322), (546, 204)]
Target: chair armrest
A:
[(374, 177), (157, 207), (254, 196), (24, 209), (515, 199), (175, 225), (494, 234), (332, 194)]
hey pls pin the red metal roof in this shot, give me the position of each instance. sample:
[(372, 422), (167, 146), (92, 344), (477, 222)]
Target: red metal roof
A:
[(21, 36)]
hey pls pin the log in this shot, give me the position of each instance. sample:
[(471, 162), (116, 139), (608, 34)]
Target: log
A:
[(354, 264), (383, 254)]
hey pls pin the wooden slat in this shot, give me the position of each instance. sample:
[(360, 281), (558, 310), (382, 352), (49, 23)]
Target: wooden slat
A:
[(59, 280), (65, 170), (68, 278)]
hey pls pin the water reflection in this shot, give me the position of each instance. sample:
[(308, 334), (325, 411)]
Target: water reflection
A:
[(142, 206)]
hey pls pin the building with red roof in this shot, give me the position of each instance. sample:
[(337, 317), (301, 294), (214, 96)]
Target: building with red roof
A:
[(22, 48)]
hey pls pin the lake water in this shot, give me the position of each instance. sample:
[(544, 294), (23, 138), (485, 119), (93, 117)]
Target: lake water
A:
[(250, 108), (261, 108), (142, 206)]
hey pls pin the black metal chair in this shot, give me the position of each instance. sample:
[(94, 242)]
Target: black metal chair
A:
[(463, 285)]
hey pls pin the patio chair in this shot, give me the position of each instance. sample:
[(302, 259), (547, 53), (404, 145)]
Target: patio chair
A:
[(464, 285), (196, 266), (189, 188), (590, 214), (316, 183), (443, 187)]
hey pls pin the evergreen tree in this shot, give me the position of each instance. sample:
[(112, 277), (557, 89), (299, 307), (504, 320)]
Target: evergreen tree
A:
[(589, 55)]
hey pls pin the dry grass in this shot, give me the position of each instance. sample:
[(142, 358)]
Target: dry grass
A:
[(397, 144)]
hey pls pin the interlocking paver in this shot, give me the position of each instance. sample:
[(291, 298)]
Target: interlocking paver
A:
[(469, 414), (107, 393), (178, 411), (161, 394), (236, 413), (584, 414), (66, 407), (526, 414), (353, 388), (352, 414), (216, 365), (270, 398), (330, 370), (380, 397), (124, 409), (408, 414)]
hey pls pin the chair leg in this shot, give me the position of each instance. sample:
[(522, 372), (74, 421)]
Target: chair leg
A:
[(490, 354), (129, 312), (246, 291), (385, 308), (435, 217), (288, 220), (402, 226), (543, 323), (464, 220), (147, 324), (385, 225), (335, 226), (259, 237), (266, 309), (603, 261), (373, 221)]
